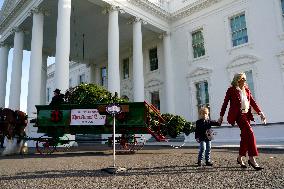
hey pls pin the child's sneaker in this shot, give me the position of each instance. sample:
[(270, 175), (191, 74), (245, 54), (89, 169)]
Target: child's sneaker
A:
[(209, 163), (199, 163)]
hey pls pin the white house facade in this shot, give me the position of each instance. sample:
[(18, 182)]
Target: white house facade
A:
[(179, 55)]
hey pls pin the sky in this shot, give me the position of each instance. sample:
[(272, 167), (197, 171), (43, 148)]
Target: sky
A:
[(25, 75)]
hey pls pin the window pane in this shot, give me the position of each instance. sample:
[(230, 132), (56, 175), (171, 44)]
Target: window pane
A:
[(206, 92), (243, 21), (198, 94), (104, 76), (82, 78), (155, 99), (250, 82), (239, 30), (153, 57), (202, 94), (198, 44), (125, 68)]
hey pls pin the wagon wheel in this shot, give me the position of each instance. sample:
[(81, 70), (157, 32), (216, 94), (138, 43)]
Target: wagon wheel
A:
[(137, 143), (120, 143), (109, 141), (140, 143), (130, 143), (123, 143), (45, 146), (63, 143)]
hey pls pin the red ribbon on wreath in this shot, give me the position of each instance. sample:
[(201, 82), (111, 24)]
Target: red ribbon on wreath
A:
[(56, 115)]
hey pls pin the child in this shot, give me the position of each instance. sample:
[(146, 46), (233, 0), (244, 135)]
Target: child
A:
[(203, 125)]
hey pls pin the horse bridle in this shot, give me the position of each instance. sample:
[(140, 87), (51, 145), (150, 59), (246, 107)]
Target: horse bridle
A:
[(3, 118)]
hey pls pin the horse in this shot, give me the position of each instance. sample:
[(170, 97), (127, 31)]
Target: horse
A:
[(12, 124)]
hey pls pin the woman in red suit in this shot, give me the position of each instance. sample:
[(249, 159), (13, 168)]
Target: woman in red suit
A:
[(241, 101)]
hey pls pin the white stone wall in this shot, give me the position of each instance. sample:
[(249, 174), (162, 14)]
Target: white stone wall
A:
[(222, 61)]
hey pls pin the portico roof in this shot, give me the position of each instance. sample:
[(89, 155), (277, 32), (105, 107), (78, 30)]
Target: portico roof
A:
[(89, 28), (89, 25)]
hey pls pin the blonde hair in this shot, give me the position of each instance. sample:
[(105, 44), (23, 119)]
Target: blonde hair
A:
[(237, 78), (203, 110)]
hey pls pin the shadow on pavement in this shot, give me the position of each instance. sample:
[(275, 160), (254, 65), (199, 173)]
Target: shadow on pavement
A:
[(55, 155), (130, 171)]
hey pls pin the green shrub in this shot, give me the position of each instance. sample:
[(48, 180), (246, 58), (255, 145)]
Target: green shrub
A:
[(175, 124), (188, 128), (88, 94)]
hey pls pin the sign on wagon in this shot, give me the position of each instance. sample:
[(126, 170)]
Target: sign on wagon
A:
[(87, 117)]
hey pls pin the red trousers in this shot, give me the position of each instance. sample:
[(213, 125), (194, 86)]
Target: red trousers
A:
[(248, 143)]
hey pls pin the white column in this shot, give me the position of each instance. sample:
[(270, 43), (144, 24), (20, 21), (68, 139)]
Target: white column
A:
[(35, 63), (169, 87), (113, 53), (43, 80), (4, 52), (138, 74), (16, 75), (62, 45)]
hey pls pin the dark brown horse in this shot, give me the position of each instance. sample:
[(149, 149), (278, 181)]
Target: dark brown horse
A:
[(12, 123)]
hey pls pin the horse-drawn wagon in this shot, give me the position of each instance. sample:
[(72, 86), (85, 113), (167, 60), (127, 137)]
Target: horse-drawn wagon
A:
[(133, 121)]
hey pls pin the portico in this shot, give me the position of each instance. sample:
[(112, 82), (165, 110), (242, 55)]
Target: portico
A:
[(90, 32)]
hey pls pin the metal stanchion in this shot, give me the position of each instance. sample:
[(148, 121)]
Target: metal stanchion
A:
[(114, 109)]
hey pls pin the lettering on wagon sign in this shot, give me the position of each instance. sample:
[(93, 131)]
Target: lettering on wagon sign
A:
[(87, 117)]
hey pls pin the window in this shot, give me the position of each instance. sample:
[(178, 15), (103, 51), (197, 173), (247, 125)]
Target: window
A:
[(198, 44), (125, 66), (48, 94), (155, 99), (239, 30), (250, 82), (202, 94), (153, 56), (82, 78), (104, 76)]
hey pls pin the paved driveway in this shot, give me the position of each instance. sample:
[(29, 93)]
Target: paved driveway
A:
[(152, 167)]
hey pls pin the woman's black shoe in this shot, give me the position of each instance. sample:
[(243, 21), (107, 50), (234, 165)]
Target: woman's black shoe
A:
[(255, 167), (242, 164)]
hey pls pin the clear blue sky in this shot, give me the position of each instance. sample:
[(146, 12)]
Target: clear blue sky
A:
[(25, 75)]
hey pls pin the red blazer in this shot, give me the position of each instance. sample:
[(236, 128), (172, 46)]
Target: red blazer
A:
[(233, 95)]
